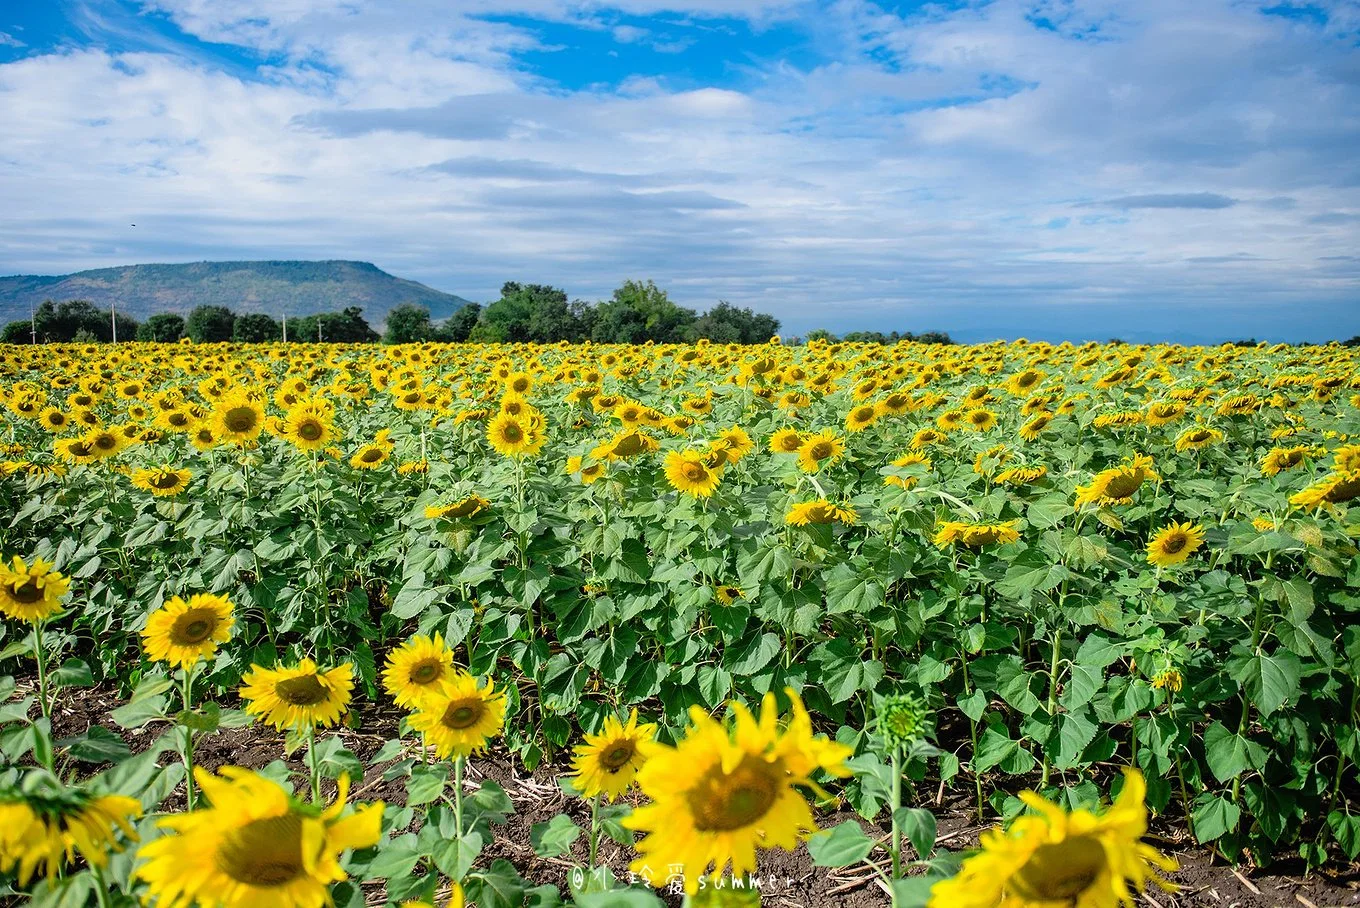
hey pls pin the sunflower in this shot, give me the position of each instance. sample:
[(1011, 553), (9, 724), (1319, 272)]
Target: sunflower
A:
[(818, 449), (181, 633), (1346, 459), (1020, 476), (53, 420), (1197, 437), (976, 535), (254, 846), (1280, 459), (624, 445), (299, 697), (690, 473), (459, 716), (1119, 484), (608, 762), (162, 481), (979, 419), (45, 828), (1035, 426), (786, 441), (512, 436), (1335, 489), (1022, 383), (31, 593), (861, 417), (414, 467), (467, 506), (588, 472), (722, 792), (910, 459), (307, 430), (735, 442), (237, 418), (819, 511), (1175, 543), (104, 442), (370, 457), (203, 437), (728, 594), (416, 667), (927, 437), (76, 450), (1163, 412), (1061, 858)]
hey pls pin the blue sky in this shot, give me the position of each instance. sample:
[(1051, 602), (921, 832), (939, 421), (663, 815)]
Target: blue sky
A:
[(1064, 169)]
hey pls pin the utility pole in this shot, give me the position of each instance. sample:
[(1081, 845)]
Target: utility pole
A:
[(113, 321), (32, 324), (318, 327), (285, 327)]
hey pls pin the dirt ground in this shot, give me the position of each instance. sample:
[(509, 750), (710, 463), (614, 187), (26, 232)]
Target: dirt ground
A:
[(790, 879)]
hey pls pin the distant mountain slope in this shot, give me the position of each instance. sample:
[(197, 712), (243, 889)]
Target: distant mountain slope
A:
[(276, 288)]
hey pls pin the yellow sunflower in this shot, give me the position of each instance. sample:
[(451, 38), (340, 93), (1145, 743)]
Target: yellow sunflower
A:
[(722, 792), (104, 442), (237, 418), (1020, 476), (459, 716), (608, 762), (735, 442), (31, 593), (307, 430), (46, 829), (976, 535), (819, 511), (1280, 459), (1035, 426), (1337, 488), (1119, 484), (820, 448), (1197, 437), (1059, 858), (786, 441), (254, 847), (417, 667), (979, 419), (370, 457), (181, 633), (414, 467), (588, 472), (1175, 543), (512, 436), (162, 481), (728, 594), (300, 697), (861, 417), (1346, 459), (689, 472), (467, 506)]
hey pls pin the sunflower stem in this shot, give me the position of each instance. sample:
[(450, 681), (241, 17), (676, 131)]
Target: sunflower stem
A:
[(188, 752), (101, 888), (40, 656), (594, 829), (311, 764), (896, 847), (458, 796)]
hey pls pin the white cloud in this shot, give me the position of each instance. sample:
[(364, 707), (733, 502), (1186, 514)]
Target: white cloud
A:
[(934, 170)]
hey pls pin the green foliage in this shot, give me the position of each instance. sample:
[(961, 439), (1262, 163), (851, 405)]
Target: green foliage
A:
[(164, 327), (347, 327), (408, 324), (210, 324)]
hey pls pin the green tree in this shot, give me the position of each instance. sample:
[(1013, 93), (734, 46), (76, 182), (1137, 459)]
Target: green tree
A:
[(408, 324), (346, 327), (527, 312), (17, 333), (164, 327), (726, 324), (61, 323), (210, 324), (255, 328), (820, 334), (457, 328)]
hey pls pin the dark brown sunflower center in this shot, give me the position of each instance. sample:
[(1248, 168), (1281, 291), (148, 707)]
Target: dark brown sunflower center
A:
[(105, 441), (304, 690), (425, 671), (461, 714), (821, 450), (512, 433), (1174, 542), (724, 801), (1123, 485), (1061, 871), (618, 755), (695, 472), (193, 627), (310, 430), (241, 419), (980, 418), (165, 480), (371, 455), (178, 419), (1344, 490), (263, 853), (628, 445), (27, 592)]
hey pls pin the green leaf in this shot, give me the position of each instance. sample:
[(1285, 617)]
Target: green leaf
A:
[(997, 749), (455, 856), (1031, 571), (555, 837), (73, 673), (1228, 754), (1214, 816), (497, 887), (919, 826), (97, 745), (848, 590), (840, 846), (1270, 681), (1346, 830), (748, 656), (426, 783)]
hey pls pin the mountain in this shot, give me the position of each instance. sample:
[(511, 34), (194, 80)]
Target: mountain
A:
[(275, 288)]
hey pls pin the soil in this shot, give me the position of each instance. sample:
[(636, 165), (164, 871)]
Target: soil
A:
[(790, 880)]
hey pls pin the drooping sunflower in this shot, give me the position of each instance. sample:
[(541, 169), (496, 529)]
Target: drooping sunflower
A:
[(33, 592), (722, 792), (1117, 485), (467, 506), (976, 535), (861, 417), (370, 457), (608, 762), (45, 828), (1061, 858), (689, 472), (818, 449), (819, 511), (1020, 476), (163, 481), (307, 430), (298, 697), (588, 472), (1279, 460), (459, 716), (1035, 426), (1337, 488), (1175, 543), (1197, 437), (728, 594), (417, 667), (910, 459), (237, 417), (414, 467), (181, 633), (254, 847), (735, 442)]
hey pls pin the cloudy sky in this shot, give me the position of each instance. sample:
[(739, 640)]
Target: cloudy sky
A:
[(1182, 169)]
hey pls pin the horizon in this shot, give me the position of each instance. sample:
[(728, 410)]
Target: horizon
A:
[(1051, 170)]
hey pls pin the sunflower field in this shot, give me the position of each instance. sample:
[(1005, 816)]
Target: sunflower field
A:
[(714, 591)]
